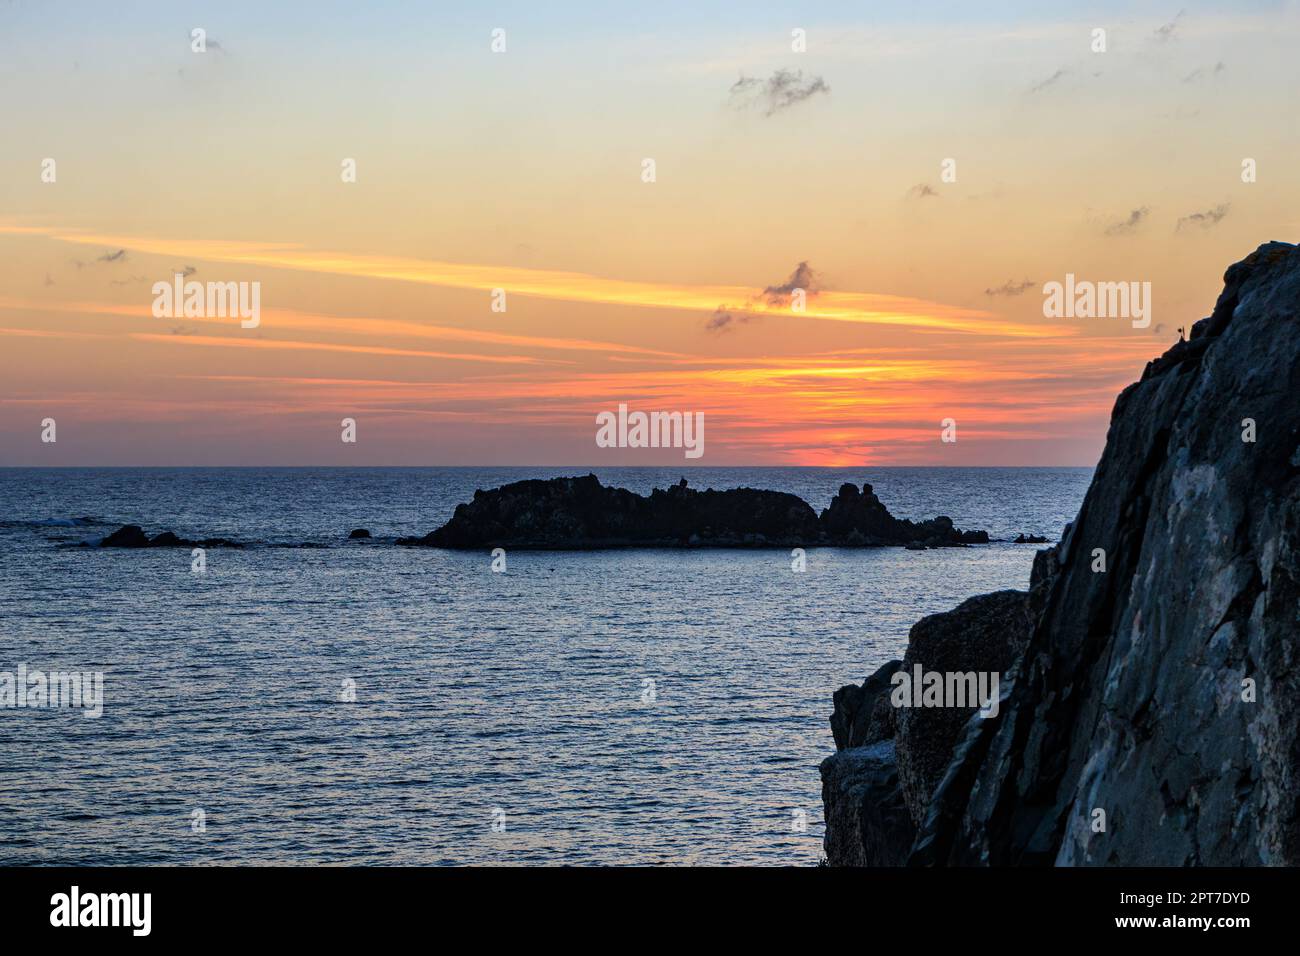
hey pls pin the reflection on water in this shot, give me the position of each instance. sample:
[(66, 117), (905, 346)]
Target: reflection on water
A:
[(607, 707)]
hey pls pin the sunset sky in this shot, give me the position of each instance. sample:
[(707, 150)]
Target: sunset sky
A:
[(523, 170)]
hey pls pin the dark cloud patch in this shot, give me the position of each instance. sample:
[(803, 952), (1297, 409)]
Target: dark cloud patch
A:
[(723, 319), (727, 317), (1044, 84), (1011, 288), (119, 256), (1169, 31), (803, 277), (1205, 72), (921, 191), (1129, 225), (780, 91), (186, 272), (1205, 220)]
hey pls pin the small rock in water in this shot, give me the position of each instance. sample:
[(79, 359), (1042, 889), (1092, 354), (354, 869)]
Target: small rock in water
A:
[(133, 536), (128, 536)]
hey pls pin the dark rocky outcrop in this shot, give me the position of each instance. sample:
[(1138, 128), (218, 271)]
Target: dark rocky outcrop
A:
[(358, 533), (1159, 681), (133, 536), (867, 823), (1029, 539), (985, 634), (858, 517), (127, 536), (862, 715), (581, 513), (865, 784)]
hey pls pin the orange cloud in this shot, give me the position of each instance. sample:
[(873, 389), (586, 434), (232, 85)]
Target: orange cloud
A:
[(838, 306)]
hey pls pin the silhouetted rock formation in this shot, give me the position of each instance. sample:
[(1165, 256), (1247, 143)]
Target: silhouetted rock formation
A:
[(581, 513), (358, 533), (1159, 682), (867, 823), (985, 634), (859, 518), (133, 536), (862, 715)]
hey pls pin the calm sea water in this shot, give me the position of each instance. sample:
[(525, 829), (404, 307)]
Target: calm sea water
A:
[(518, 699)]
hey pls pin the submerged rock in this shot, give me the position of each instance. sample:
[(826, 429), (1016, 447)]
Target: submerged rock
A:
[(581, 513), (133, 536)]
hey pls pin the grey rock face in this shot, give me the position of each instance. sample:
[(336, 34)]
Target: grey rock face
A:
[(862, 715), (867, 823), (984, 635), (1163, 689)]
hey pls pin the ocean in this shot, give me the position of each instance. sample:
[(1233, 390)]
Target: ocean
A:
[(357, 702)]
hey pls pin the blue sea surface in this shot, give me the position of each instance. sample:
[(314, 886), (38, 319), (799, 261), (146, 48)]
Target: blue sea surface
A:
[(610, 707)]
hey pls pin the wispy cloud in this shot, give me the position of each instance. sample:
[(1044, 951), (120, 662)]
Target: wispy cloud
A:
[(1044, 84), (1125, 226), (780, 91), (291, 320), (838, 306), (1011, 288), (921, 191), (778, 296), (231, 342), (1169, 31), (803, 278), (723, 319), (1205, 72), (1204, 220)]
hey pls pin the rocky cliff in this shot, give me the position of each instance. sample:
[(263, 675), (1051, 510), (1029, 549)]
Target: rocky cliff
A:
[(1152, 717)]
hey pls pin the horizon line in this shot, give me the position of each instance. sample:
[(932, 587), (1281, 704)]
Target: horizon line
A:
[(590, 468)]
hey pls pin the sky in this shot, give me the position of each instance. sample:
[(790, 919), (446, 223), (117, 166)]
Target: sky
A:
[(920, 170)]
